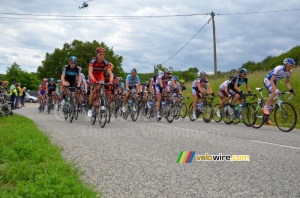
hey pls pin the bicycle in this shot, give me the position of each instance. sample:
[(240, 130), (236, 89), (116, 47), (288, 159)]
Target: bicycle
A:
[(216, 117), (5, 107), (204, 107), (100, 106), (69, 107), (166, 108), (234, 114), (181, 107), (43, 104), (133, 107), (285, 115), (50, 104)]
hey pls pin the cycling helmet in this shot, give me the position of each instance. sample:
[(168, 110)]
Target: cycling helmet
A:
[(160, 72), (133, 70), (120, 78), (182, 81), (201, 73), (51, 79), (243, 70), (289, 61), (45, 79), (58, 81), (231, 77), (73, 58), (175, 78), (99, 50), (169, 70)]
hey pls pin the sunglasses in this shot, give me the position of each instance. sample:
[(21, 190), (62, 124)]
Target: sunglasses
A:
[(73, 62)]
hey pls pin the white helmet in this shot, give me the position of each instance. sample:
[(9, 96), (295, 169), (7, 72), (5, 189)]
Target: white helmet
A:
[(202, 73), (160, 72), (169, 70)]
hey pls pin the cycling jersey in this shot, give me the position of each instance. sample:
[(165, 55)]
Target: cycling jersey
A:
[(98, 69), (223, 85), (279, 72), (239, 81), (132, 83), (177, 86), (183, 88), (201, 81), (71, 74), (51, 88), (43, 87)]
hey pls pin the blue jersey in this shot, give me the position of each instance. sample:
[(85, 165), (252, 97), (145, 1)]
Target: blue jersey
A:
[(239, 81), (132, 82)]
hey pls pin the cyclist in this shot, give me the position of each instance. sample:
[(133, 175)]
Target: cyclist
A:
[(97, 66), (200, 87), (161, 85), (58, 91), (42, 90), (223, 93), (183, 88), (132, 83), (51, 91), (278, 73), (175, 90), (83, 88), (68, 77), (233, 87)]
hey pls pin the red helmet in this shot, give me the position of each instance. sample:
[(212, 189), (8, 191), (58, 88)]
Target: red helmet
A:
[(99, 50)]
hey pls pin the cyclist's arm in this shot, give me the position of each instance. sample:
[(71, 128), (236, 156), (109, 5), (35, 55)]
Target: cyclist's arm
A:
[(138, 87), (79, 81), (92, 78), (160, 82), (62, 78), (236, 87), (126, 85), (209, 88), (287, 83), (111, 76), (200, 87)]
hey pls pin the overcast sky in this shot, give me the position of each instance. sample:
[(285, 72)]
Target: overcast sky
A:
[(144, 42)]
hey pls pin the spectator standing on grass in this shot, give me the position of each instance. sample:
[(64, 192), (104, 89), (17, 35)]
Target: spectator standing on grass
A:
[(13, 92)]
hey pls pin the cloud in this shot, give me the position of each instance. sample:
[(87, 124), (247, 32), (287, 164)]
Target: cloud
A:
[(149, 41)]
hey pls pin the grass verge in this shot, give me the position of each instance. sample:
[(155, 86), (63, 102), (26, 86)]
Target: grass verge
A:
[(30, 166)]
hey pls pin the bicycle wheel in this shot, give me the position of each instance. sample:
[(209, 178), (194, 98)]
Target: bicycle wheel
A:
[(94, 114), (49, 106), (111, 107), (244, 115), (215, 116), (176, 111), (71, 116), (170, 112), (76, 106), (228, 112), (103, 110), (285, 117), (183, 110), (58, 104), (135, 111), (256, 116), (65, 110), (207, 112)]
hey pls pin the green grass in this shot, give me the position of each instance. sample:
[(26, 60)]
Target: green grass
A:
[(256, 80), (30, 166)]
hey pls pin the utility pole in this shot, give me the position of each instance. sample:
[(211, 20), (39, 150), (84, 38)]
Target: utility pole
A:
[(215, 49)]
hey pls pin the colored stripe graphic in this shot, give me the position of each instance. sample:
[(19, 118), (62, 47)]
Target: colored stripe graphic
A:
[(181, 157), (190, 157)]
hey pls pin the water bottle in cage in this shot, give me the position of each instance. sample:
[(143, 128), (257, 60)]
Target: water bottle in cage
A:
[(163, 103)]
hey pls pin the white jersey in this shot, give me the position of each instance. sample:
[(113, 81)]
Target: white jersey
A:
[(177, 85), (224, 84), (279, 72)]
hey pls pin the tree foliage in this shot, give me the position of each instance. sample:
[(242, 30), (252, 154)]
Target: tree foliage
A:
[(28, 80), (84, 51)]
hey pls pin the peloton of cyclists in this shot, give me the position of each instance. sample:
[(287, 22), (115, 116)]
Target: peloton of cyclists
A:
[(51, 91)]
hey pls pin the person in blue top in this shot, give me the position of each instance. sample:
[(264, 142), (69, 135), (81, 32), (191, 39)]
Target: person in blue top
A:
[(132, 83), (273, 76)]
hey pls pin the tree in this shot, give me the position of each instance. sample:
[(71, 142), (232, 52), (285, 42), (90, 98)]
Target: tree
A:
[(54, 62)]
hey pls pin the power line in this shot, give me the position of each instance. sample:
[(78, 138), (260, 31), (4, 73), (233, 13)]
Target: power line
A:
[(187, 42), (262, 12)]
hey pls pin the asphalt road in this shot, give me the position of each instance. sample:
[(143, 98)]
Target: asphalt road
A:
[(138, 159)]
